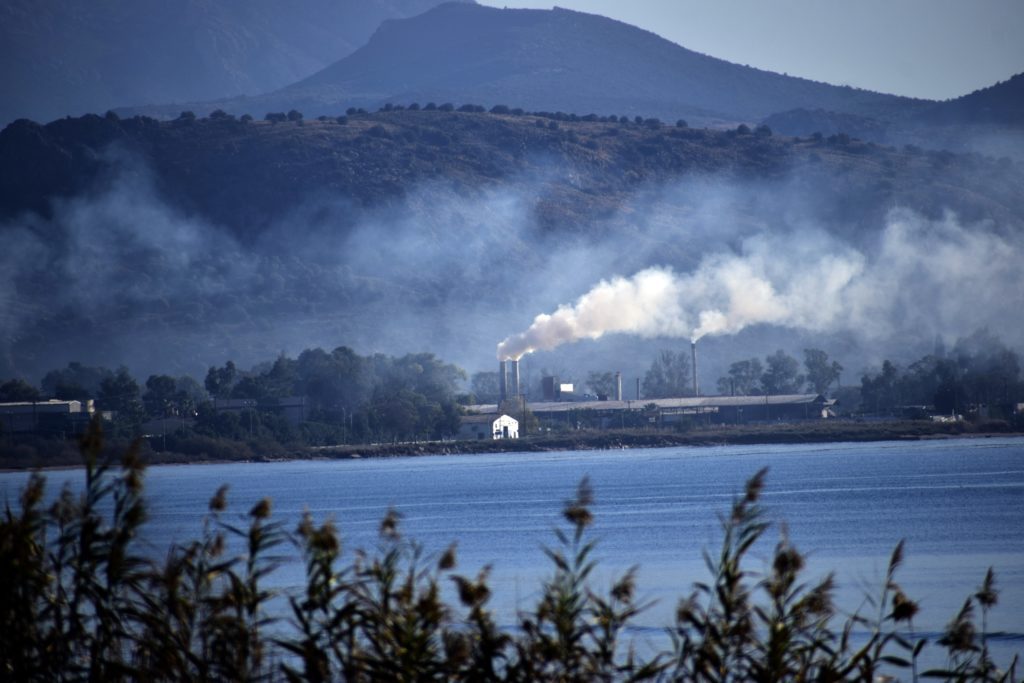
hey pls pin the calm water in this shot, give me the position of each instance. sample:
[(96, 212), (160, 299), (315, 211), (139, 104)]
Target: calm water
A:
[(959, 504)]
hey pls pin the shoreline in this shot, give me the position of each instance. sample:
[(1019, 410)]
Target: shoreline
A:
[(717, 435)]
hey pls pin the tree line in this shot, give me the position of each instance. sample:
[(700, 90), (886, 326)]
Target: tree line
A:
[(979, 377), (347, 397)]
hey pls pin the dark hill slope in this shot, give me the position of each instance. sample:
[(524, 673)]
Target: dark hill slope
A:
[(989, 121), (60, 57), (554, 60), (247, 176)]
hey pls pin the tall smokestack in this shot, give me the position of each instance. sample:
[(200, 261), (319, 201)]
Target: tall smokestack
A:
[(693, 352), (638, 388), (618, 386), (502, 382), (515, 378)]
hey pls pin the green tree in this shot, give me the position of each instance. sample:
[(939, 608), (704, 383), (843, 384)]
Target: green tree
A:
[(220, 381), (989, 370), (743, 379), (336, 383), (120, 393), (880, 391), (161, 398), (76, 381), (820, 373), (668, 376), (782, 374), (18, 390)]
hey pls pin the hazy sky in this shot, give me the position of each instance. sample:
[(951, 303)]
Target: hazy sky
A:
[(936, 49)]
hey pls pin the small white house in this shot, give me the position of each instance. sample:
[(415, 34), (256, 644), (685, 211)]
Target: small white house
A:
[(488, 427)]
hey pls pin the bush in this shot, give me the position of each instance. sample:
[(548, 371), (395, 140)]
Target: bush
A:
[(294, 115), (447, 106), (681, 123)]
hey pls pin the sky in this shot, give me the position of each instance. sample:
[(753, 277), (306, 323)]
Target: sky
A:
[(934, 49)]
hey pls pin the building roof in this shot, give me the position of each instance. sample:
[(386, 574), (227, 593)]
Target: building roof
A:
[(51, 405), (692, 402), (484, 417)]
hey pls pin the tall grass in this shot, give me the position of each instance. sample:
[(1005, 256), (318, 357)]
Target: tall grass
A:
[(79, 602)]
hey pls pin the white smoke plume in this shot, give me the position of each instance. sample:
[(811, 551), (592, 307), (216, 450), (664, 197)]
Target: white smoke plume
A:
[(923, 277), (647, 304)]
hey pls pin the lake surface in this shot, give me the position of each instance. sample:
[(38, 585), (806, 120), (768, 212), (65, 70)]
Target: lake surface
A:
[(958, 503)]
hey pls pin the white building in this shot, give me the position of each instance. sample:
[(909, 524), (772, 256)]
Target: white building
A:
[(488, 427)]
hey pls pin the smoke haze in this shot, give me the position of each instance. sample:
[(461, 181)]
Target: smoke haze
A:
[(121, 276), (924, 277)]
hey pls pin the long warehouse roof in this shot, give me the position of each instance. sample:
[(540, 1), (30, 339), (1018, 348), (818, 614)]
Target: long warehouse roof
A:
[(662, 403)]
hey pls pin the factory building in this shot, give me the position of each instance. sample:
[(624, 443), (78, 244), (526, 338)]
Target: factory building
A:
[(707, 409), (46, 417)]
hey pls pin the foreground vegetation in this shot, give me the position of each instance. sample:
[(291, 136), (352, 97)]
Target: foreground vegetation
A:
[(80, 601)]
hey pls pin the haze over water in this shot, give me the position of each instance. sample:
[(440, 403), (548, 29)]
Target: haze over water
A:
[(958, 503)]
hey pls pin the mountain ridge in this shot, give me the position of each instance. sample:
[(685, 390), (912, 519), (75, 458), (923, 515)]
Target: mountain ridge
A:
[(549, 59)]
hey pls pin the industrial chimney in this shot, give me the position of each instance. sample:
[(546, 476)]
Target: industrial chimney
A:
[(693, 352), (514, 371), (618, 386), (502, 382)]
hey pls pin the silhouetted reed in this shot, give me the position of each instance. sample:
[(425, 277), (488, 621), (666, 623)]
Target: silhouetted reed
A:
[(78, 602)]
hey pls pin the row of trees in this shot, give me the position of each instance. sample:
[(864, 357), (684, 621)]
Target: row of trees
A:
[(979, 374), (348, 396), (780, 374), (670, 375)]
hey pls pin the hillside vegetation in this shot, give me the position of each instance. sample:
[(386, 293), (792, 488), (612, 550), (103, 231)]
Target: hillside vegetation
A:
[(247, 174)]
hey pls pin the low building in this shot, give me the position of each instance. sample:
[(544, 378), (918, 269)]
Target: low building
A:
[(294, 409), (46, 417), (473, 427)]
